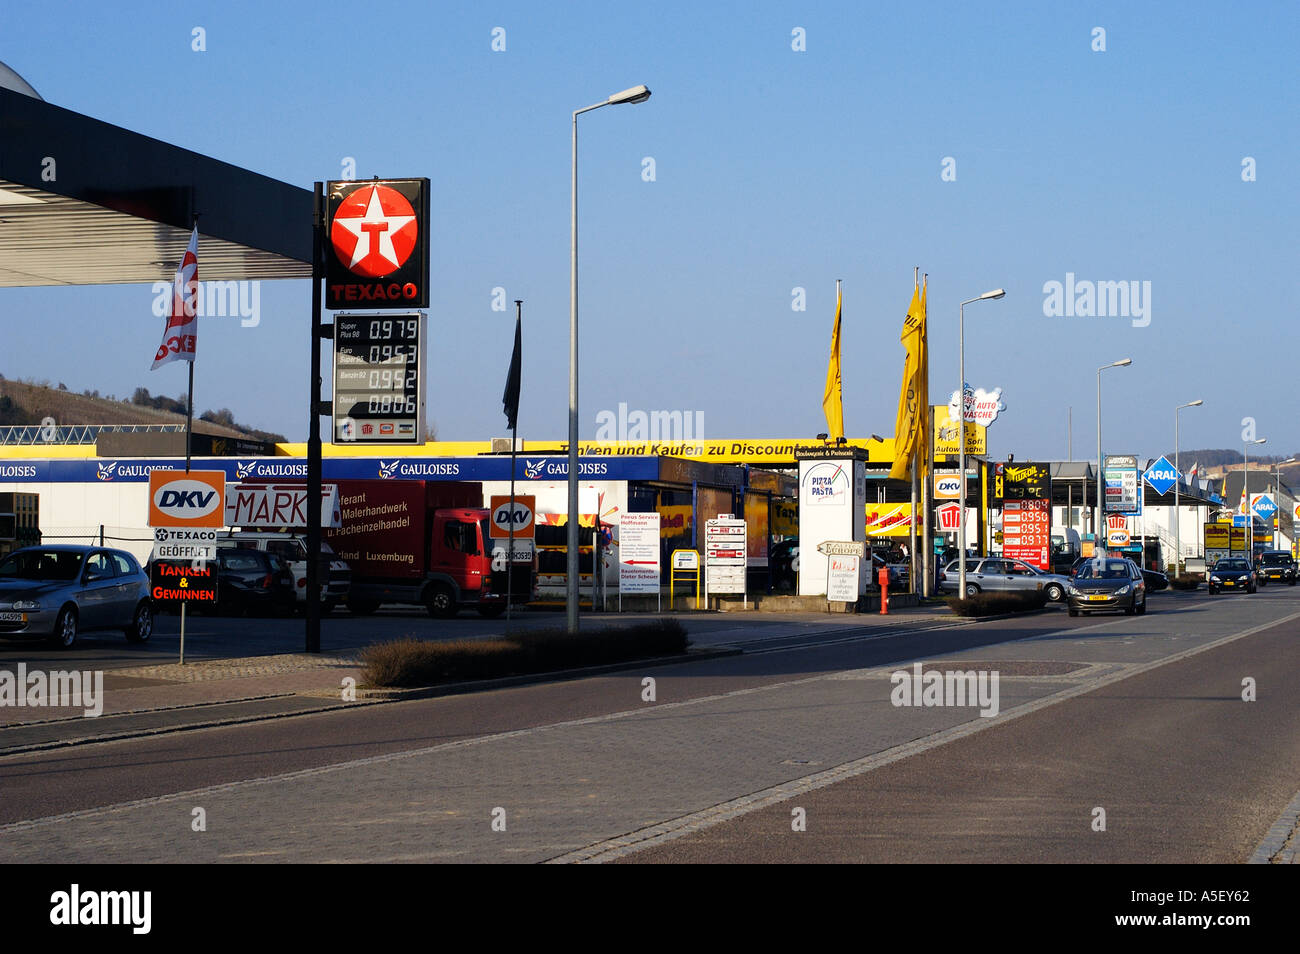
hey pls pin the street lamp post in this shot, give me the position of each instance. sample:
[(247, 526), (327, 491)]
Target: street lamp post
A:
[(961, 430), (1098, 532), (637, 94), (1247, 514), (1277, 492), (1178, 479)]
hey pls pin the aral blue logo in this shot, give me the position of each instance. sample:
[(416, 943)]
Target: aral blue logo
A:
[(1161, 476), (1263, 506)]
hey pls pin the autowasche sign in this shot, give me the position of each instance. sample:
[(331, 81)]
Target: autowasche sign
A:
[(523, 509), (187, 499)]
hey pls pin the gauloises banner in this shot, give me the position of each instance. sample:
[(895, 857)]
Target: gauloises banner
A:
[(135, 469), (377, 244)]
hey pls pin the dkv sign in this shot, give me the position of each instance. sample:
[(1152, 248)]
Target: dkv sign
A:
[(521, 513), (196, 498)]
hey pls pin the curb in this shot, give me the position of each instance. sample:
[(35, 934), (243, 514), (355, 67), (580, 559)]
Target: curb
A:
[(1278, 835), (164, 730), (525, 679), (365, 697)]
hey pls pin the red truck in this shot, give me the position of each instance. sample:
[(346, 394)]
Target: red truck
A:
[(422, 542)]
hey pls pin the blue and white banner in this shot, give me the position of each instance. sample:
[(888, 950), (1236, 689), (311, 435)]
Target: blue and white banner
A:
[(128, 470)]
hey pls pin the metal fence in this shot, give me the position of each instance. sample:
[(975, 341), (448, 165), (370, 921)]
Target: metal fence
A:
[(28, 434)]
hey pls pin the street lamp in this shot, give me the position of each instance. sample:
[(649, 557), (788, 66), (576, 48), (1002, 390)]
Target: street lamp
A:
[(1247, 514), (961, 430), (637, 94), (1098, 532), (1178, 479), (1277, 514)]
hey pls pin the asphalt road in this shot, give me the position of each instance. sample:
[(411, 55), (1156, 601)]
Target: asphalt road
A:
[(1092, 714)]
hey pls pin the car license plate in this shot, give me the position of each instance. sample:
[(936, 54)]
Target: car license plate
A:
[(13, 617), (1229, 582), (1099, 598)]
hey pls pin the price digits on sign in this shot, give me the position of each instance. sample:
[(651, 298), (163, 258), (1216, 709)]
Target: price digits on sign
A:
[(378, 376)]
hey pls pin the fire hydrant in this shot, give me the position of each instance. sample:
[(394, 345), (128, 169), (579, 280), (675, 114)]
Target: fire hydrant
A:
[(882, 577)]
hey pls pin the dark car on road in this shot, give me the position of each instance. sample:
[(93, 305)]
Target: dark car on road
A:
[(1232, 573), (1107, 584), (59, 592), (1275, 566), (253, 582)]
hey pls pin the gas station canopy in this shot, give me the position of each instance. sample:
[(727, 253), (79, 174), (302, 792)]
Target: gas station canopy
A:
[(83, 202)]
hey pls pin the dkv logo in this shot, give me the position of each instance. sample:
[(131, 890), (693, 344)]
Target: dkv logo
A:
[(522, 512), (193, 499), (947, 488)]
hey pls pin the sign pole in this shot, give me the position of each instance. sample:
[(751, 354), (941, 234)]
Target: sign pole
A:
[(312, 642)]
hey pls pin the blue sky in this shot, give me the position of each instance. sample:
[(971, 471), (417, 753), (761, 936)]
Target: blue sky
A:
[(774, 169)]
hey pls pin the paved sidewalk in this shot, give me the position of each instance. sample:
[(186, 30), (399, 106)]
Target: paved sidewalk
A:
[(149, 688)]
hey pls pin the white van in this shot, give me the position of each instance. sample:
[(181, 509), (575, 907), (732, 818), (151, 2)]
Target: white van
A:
[(335, 577)]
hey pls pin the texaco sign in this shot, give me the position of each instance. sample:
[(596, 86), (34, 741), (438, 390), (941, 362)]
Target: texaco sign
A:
[(377, 244)]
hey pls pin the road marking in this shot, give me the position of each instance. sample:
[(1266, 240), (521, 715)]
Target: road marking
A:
[(673, 829)]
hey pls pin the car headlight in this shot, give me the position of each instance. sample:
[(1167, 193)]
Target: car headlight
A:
[(1071, 589), (1214, 579), (31, 605)]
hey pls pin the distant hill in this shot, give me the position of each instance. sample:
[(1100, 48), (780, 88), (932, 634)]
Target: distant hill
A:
[(27, 402)]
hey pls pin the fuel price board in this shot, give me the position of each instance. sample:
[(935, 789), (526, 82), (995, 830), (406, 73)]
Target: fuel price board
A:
[(379, 363)]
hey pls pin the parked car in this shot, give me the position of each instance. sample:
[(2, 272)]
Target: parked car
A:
[(784, 561), (254, 583), (59, 592), (1000, 575), (1232, 573), (1155, 580), (1107, 584), (335, 576), (1276, 565)]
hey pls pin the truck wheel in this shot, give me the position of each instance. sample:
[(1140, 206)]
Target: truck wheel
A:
[(362, 607), (439, 602), (491, 610)]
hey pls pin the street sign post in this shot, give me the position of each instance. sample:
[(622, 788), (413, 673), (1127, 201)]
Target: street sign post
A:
[(725, 556)]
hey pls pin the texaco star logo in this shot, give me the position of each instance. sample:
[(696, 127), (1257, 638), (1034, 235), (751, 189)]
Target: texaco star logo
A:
[(374, 231)]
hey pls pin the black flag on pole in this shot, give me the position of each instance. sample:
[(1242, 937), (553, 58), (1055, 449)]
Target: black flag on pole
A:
[(511, 397)]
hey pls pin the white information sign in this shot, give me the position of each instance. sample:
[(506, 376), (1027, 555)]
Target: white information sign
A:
[(638, 553), (842, 578), (725, 550)]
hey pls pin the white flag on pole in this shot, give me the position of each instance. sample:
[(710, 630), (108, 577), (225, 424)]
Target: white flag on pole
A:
[(181, 335)]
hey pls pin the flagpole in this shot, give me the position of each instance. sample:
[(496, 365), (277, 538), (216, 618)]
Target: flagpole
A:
[(916, 479), (514, 439), (927, 452)]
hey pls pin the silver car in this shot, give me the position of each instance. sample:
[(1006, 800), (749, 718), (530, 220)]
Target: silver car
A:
[(1000, 575), (60, 591)]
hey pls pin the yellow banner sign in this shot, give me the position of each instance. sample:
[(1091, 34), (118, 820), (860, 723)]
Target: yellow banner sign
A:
[(945, 435), (1216, 536), (889, 520)]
